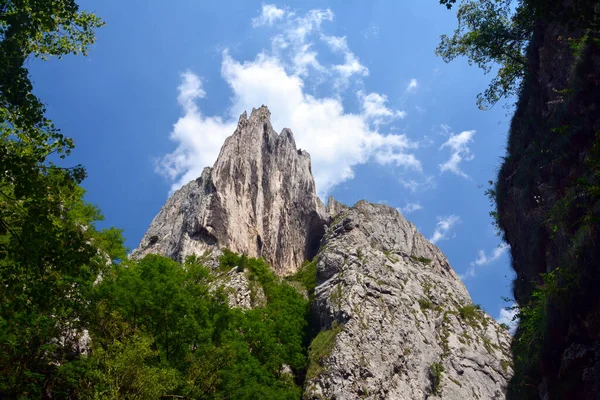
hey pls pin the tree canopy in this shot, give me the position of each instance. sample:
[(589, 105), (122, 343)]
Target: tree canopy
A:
[(50, 251), (493, 35)]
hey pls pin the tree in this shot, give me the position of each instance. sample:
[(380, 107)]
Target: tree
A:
[(211, 350), (50, 251), (491, 34), (40, 29)]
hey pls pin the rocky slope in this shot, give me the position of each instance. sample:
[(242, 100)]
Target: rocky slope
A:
[(258, 199), (401, 324), (392, 320)]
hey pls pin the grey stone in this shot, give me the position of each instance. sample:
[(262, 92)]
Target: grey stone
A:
[(373, 269), (394, 293), (259, 199)]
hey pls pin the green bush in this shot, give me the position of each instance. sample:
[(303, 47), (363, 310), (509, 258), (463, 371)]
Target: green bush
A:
[(307, 275), (471, 313), (423, 260), (320, 348), (186, 340), (435, 374), (425, 304)]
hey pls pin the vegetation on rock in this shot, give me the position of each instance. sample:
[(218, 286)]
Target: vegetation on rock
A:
[(436, 371), (320, 348), (191, 343)]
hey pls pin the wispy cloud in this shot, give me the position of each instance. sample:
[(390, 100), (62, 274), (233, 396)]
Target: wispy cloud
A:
[(417, 186), (445, 130), (412, 86), (484, 259), (189, 90), (199, 138), (280, 78), (269, 14), (410, 208), (351, 66), (374, 107), (458, 145), (443, 228)]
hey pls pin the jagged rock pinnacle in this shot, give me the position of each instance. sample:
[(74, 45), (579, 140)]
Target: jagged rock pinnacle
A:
[(259, 198), (400, 324)]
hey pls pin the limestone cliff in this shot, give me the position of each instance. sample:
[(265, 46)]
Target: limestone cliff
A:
[(400, 322), (259, 199), (390, 318)]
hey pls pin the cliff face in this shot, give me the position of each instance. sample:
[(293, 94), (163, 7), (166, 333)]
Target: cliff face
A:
[(258, 199), (397, 321), (390, 318), (548, 194)]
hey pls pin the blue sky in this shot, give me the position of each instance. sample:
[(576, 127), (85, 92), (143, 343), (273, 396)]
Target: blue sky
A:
[(383, 118)]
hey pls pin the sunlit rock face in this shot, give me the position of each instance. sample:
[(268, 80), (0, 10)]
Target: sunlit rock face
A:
[(259, 199), (392, 320), (406, 327)]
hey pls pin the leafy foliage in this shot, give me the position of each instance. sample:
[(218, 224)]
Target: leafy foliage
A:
[(425, 304), (546, 195), (422, 259), (491, 33), (307, 275), (533, 319), (435, 374), (127, 369), (157, 327), (209, 349), (50, 251), (42, 29), (320, 348)]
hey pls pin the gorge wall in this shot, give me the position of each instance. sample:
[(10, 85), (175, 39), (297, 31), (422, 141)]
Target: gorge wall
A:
[(548, 198)]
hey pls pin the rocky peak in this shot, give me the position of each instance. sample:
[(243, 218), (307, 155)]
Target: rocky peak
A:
[(392, 319), (259, 199)]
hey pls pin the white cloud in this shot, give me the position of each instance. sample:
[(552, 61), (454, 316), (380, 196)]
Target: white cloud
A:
[(305, 58), (445, 130), (268, 16), (507, 316), (496, 254), (300, 28), (460, 151), (484, 259), (443, 227), (295, 38), (412, 86), (374, 107), (418, 186), (189, 90), (336, 139), (351, 65), (336, 43), (278, 43), (410, 208), (199, 138)]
